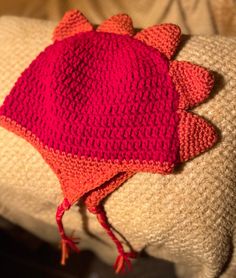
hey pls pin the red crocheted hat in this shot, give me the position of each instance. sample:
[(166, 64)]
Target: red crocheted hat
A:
[(101, 105)]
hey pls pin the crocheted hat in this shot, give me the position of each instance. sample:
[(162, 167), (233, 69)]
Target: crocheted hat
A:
[(101, 105)]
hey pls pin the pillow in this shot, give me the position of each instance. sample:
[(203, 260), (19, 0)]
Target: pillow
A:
[(187, 217)]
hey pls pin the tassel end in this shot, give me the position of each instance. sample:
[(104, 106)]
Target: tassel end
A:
[(66, 244), (122, 261)]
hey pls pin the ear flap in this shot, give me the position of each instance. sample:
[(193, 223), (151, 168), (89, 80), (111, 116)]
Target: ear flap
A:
[(71, 24), (119, 24), (164, 37)]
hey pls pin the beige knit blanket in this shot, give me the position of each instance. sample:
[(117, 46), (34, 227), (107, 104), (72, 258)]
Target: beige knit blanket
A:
[(187, 217)]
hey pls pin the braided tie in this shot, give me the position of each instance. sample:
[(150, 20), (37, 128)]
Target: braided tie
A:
[(66, 242)]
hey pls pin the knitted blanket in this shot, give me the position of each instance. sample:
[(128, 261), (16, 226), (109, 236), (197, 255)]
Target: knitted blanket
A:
[(188, 217)]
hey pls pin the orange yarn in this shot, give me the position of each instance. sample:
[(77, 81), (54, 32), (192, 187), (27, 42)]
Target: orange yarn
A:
[(195, 135), (72, 23), (93, 198), (118, 24), (193, 83), (164, 37)]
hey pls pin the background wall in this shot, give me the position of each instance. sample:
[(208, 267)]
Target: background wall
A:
[(193, 16)]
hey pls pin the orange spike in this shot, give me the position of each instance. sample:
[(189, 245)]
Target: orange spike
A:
[(192, 82), (164, 37), (195, 135), (71, 24), (118, 24)]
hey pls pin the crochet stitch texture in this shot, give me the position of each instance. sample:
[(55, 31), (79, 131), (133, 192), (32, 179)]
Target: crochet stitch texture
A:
[(101, 105)]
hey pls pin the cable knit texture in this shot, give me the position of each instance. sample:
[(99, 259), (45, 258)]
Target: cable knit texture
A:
[(102, 105)]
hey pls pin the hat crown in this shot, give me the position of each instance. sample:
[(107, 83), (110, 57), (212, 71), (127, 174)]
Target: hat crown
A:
[(101, 95)]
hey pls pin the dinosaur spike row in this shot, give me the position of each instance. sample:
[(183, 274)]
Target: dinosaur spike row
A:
[(101, 105), (163, 37)]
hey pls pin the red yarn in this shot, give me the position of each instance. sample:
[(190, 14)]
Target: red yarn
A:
[(123, 258), (119, 104), (66, 242)]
